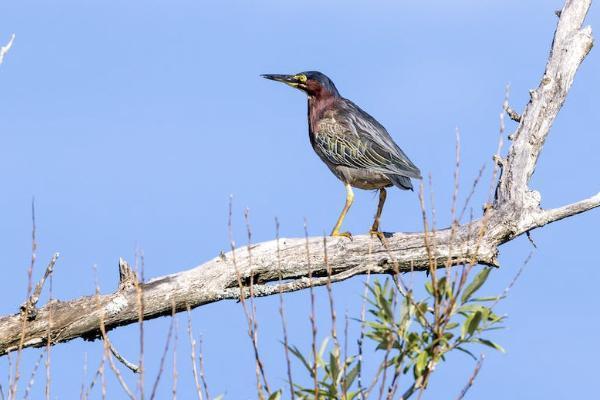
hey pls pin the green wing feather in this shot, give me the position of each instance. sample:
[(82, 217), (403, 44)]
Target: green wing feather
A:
[(352, 138)]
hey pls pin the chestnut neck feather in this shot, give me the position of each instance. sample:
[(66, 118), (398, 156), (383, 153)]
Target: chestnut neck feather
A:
[(318, 104)]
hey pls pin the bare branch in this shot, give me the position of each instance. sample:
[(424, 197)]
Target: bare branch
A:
[(32, 377), (29, 306), (163, 358), (512, 114), (127, 276), (286, 346), (134, 368), (472, 378), (570, 46), (113, 367), (4, 49), (556, 214), (193, 356)]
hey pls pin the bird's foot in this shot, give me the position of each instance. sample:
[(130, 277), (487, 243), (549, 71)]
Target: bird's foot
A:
[(377, 233), (342, 234)]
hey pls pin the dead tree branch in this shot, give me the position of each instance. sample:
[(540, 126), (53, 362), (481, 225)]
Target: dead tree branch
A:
[(277, 269), (29, 306), (4, 49)]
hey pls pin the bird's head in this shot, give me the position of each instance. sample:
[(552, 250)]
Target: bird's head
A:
[(313, 83)]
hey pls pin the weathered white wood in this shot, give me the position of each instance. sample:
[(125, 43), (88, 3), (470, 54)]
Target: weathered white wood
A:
[(516, 210), (4, 49)]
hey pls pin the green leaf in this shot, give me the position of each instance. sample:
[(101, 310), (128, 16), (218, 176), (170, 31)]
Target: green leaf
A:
[(350, 377), (494, 328), (421, 363), (475, 284), (466, 352), (469, 308), (471, 324), (442, 288), (421, 311), (322, 351), (351, 395), (429, 287), (494, 318), (334, 366), (475, 321), (491, 344), (451, 325), (489, 298), (386, 307), (275, 395), (299, 356)]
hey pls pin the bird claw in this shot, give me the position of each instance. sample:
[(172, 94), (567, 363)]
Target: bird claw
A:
[(342, 234), (377, 233)]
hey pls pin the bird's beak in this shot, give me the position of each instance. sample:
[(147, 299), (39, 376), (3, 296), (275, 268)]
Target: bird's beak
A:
[(290, 80)]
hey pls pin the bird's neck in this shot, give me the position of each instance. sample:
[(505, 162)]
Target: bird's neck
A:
[(317, 105)]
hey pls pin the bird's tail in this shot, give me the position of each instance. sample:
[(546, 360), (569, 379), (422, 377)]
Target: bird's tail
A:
[(401, 182)]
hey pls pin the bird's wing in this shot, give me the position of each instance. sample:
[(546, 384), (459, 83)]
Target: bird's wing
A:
[(352, 138)]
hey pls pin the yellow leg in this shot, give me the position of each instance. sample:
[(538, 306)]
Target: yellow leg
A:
[(338, 225), (375, 228)]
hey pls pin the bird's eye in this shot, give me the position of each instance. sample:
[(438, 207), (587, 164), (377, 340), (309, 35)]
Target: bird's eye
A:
[(301, 78)]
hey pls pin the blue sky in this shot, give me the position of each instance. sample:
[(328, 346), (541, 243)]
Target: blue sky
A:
[(133, 123)]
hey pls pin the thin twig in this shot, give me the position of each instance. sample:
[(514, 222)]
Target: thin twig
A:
[(98, 372), (336, 343), (100, 369), (528, 233), (253, 320), (345, 391), (385, 368), (375, 378), (388, 351), (29, 306), (32, 376), (84, 378), (103, 374), (174, 367), (201, 365), (454, 223), (139, 288), (363, 312), (512, 114), (112, 365), (13, 385), (10, 368), (330, 295), (513, 281), (48, 363), (134, 368), (471, 378), (242, 296), (313, 315), (393, 388), (471, 193), (108, 347), (282, 315), (193, 356)]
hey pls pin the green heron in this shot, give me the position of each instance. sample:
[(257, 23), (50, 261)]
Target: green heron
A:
[(355, 147)]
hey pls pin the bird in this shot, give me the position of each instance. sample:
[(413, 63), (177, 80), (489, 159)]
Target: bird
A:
[(358, 150)]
